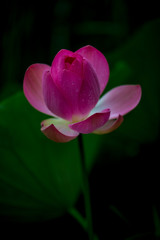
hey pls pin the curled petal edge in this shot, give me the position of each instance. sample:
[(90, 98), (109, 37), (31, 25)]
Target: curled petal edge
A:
[(58, 130), (93, 122), (110, 126)]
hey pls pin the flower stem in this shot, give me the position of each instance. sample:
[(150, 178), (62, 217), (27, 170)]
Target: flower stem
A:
[(74, 213), (86, 191)]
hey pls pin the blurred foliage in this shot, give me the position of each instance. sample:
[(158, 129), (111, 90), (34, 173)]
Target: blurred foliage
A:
[(36, 176), (137, 62), (38, 179)]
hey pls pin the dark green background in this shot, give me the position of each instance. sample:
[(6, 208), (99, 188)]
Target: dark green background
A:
[(40, 179)]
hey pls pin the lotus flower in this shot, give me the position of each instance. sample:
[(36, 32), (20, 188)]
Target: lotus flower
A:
[(69, 90)]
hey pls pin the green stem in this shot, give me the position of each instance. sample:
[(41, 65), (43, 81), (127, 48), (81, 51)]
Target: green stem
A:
[(78, 217), (86, 191), (74, 213)]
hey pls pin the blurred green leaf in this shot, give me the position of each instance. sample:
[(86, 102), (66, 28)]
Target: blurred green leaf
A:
[(137, 62), (38, 178)]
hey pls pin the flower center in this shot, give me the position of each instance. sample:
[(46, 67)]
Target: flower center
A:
[(78, 118), (69, 61)]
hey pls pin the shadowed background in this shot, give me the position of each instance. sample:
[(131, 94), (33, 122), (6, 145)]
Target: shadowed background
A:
[(125, 175)]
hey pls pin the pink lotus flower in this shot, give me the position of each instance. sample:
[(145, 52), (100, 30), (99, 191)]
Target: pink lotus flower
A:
[(69, 92)]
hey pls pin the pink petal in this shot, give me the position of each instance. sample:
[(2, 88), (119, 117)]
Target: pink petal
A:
[(90, 91), (32, 87), (98, 62), (110, 126), (68, 77), (70, 87), (77, 81), (54, 99), (120, 100), (57, 130), (91, 123)]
